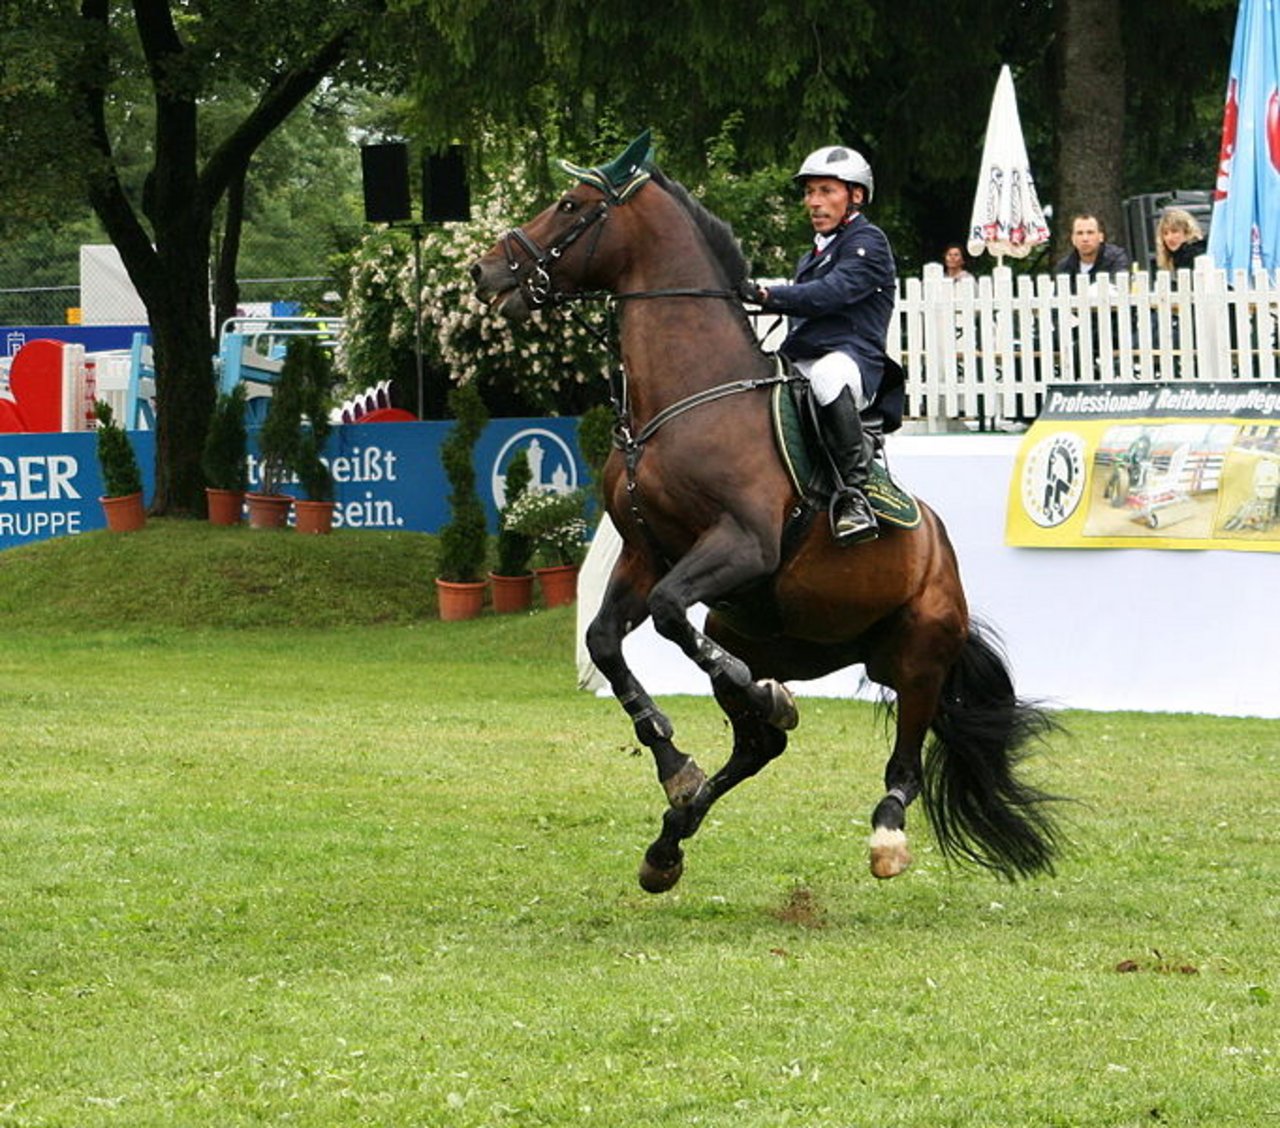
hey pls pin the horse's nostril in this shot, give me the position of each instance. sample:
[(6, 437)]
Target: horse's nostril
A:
[(476, 272)]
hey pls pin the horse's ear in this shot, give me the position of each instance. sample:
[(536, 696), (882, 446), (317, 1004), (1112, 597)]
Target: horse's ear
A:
[(623, 176), (636, 157)]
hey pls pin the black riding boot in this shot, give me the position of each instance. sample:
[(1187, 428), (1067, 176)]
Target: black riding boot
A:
[(852, 519)]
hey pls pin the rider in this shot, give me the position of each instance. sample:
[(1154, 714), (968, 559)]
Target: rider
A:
[(839, 306)]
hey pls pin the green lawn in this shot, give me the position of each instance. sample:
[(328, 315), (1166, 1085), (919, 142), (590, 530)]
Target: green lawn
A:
[(385, 874)]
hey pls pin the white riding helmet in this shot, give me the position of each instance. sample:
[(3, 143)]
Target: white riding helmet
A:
[(844, 164)]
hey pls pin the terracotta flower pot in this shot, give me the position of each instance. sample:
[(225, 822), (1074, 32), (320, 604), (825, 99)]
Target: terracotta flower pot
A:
[(268, 511), (511, 593), (313, 516), (559, 584), (225, 506), (124, 514), (460, 600)]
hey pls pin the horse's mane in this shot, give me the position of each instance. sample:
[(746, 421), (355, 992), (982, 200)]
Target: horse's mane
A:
[(721, 240)]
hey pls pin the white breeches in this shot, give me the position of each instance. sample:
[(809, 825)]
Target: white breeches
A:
[(829, 375)]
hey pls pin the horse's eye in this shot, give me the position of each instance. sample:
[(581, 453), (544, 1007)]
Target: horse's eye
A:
[(568, 206)]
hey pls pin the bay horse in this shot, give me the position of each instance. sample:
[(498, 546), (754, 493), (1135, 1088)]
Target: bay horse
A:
[(698, 490)]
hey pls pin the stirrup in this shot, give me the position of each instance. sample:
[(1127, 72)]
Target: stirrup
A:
[(851, 522)]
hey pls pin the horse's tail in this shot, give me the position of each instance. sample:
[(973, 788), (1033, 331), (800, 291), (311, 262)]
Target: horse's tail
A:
[(979, 809)]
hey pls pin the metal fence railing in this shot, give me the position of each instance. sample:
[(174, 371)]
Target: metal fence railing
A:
[(57, 305)]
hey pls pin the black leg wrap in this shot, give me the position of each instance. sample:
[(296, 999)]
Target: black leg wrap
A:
[(653, 727), (891, 811), (722, 666), (651, 723)]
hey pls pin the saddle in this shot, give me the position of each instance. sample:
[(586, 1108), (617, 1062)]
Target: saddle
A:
[(794, 412), (799, 439)]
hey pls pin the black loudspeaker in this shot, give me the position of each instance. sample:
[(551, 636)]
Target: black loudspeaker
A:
[(385, 171), (445, 192)]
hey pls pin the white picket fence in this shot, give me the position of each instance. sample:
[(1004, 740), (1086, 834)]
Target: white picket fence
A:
[(985, 350)]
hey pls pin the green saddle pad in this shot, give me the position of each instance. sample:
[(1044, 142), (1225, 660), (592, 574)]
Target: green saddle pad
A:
[(892, 504)]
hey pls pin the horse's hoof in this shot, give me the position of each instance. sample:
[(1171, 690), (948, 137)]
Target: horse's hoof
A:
[(655, 880), (682, 786), (784, 714), (889, 853)]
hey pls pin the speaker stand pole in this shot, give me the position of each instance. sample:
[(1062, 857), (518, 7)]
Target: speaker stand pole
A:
[(417, 318)]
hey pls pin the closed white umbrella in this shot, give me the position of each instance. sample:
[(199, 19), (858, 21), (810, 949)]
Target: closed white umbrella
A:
[(1007, 217)]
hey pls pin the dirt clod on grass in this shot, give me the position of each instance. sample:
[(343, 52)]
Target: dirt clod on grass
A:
[(801, 908)]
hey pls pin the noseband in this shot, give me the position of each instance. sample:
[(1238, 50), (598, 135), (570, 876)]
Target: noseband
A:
[(535, 283)]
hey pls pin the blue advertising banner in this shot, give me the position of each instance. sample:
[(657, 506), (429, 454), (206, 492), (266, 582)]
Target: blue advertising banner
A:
[(50, 484), (95, 338), (386, 475)]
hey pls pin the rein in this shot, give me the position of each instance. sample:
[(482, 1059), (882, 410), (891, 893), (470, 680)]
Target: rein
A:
[(707, 395)]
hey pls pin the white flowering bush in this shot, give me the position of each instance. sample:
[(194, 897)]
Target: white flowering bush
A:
[(555, 522)]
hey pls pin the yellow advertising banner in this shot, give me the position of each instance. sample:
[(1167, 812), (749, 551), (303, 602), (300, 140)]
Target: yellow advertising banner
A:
[(1181, 466)]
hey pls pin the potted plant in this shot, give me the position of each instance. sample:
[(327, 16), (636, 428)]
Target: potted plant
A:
[(595, 440), (314, 380), (277, 441), (292, 435), (464, 541), (121, 478), (226, 470), (556, 524), (512, 579)]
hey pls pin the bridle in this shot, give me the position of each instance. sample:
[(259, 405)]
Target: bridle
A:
[(535, 283), (533, 275)]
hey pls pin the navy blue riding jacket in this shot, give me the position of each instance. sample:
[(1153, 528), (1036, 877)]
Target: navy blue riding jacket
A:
[(842, 300)]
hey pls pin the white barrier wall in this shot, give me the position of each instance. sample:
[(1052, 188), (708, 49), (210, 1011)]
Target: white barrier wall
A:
[(1104, 629)]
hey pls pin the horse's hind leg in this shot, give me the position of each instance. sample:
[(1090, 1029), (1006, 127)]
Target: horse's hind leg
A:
[(622, 609), (921, 655), (902, 779)]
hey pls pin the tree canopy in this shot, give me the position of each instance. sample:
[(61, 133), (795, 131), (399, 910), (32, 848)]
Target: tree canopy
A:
[(80, 74), (155, 113), (1115, 99)]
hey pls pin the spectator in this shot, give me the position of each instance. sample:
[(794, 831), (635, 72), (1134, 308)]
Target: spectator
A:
[(1092, 254), (1179, 240), (955, 265)]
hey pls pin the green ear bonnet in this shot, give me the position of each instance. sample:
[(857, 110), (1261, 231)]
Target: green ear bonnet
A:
[(623, 176)]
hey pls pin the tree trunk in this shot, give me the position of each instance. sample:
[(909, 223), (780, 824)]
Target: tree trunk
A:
[(1091, 115), (170, 267), (226, 290), (183, 348)]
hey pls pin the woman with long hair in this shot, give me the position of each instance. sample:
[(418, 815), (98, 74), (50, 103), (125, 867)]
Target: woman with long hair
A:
[(1179, 240)]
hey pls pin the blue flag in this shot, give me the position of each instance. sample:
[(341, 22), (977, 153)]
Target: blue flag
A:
[(1245, 232)]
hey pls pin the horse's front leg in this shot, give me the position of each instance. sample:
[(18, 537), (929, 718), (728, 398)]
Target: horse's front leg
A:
[(761, 712), (755, 743), (623, 608), (724, 561)]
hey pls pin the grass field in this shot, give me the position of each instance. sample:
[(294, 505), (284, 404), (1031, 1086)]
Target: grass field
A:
[(383, 872)]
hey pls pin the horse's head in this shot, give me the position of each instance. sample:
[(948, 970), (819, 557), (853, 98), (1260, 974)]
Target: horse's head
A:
[(563, 249)]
